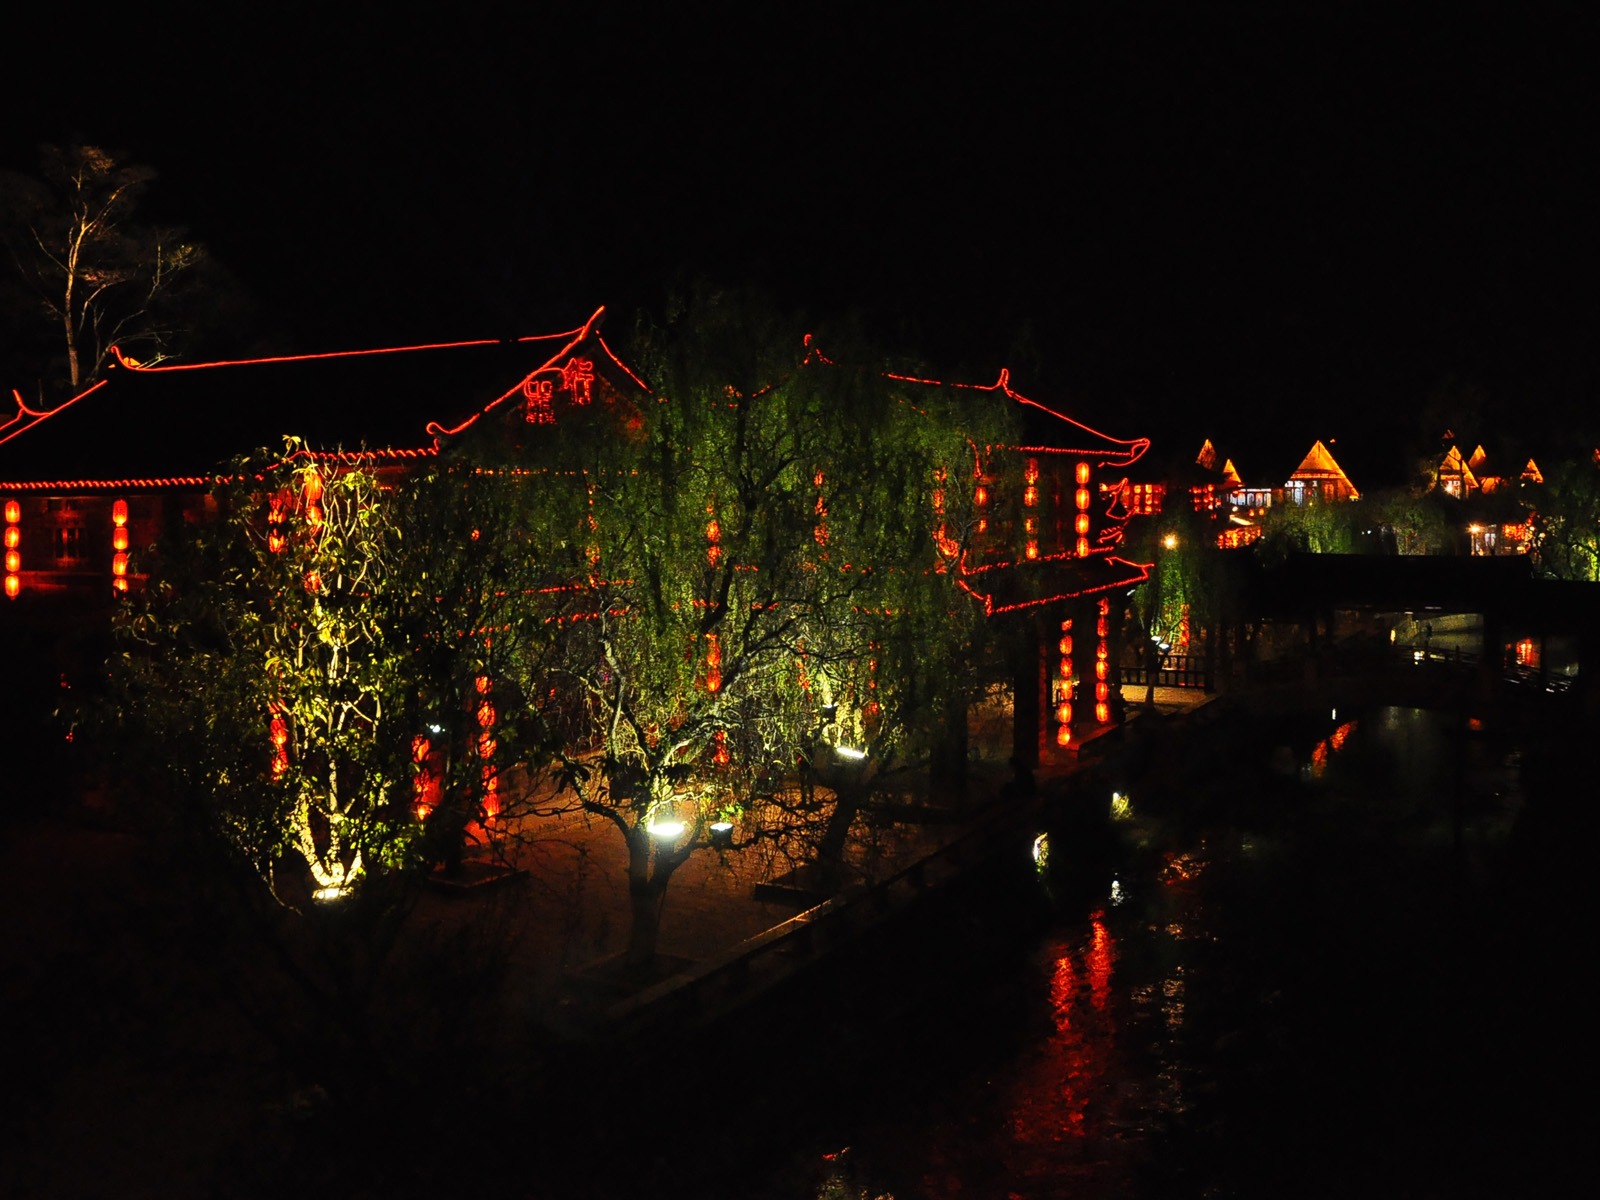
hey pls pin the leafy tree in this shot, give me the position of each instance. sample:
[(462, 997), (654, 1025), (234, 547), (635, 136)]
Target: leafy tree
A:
[(721, 560), (262, 662), (1564, 515), (1413, 521), (89, 269)]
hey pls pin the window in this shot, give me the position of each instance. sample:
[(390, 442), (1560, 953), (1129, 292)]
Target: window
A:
[(68, 542)]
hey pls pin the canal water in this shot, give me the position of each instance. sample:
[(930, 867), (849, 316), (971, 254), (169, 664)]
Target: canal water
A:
[(1354, 966)]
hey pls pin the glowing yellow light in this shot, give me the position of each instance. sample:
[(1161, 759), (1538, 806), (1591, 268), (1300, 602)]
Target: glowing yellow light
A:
[(1082, 474), (119, 513), (1170, 541), (13, 537), (13, 512)]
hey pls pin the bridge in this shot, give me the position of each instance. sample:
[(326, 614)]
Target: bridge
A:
[(1318, 592)]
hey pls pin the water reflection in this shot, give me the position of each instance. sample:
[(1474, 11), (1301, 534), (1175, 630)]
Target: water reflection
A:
[(1271, 1001)]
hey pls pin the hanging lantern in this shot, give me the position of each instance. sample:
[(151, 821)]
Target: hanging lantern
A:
[(1083, 547), (1082, 473), (1064, 713), (1081, 497), (1081, 524), (1064, 736), (1065, 645), (1101, 669), (1102, 691), (119, 513), (1102, 713), (119, 564), (13, 584)]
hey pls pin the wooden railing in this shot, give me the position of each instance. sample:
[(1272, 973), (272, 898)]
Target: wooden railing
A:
[(1174, 670)]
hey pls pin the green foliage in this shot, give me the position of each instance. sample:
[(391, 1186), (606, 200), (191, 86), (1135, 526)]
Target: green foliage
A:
[(1564, 515), (1414, 521), (1313, 529), (261, 663), (721, 555)]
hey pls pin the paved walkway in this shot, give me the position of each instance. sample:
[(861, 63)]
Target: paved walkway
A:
[(569, 910)]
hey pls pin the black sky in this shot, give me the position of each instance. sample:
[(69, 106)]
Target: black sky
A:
[(1162, 215)]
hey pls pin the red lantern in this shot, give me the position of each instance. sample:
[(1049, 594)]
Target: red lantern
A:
[(13, 537), (1102, 713), (13, 512), (1082, 473), (1063, 736), (13, 562), (13, 586), (119, 513)]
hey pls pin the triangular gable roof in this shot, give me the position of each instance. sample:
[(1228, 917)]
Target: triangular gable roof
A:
[(1477, 459), (1531, 473), (1454, 466), (1207, 457), (574, 357), (1230, 474), (177, 424), (1318, 464)]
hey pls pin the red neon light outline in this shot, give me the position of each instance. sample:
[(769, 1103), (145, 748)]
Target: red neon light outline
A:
[(24, 410), (284, 358), (590, 326)]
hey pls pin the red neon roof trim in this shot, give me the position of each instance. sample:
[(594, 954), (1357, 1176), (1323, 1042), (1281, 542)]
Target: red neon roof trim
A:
[(284, 358), (438, 430), (24, 410)]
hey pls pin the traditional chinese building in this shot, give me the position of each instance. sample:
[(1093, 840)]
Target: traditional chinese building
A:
[(131, 461)]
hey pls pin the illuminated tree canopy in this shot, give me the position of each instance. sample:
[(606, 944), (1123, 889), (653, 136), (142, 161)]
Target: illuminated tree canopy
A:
[(747, 545)]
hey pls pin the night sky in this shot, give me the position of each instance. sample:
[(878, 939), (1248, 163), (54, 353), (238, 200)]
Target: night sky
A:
[(1166, 219)]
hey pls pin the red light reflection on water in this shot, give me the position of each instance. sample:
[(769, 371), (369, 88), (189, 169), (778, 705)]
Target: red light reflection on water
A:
[(1063, 1096)]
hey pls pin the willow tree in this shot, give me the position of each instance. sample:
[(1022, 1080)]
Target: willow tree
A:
[(262, 661), (708, 551)]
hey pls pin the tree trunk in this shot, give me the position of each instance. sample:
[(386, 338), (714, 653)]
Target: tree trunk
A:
[(646, 900), (847, 806)]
